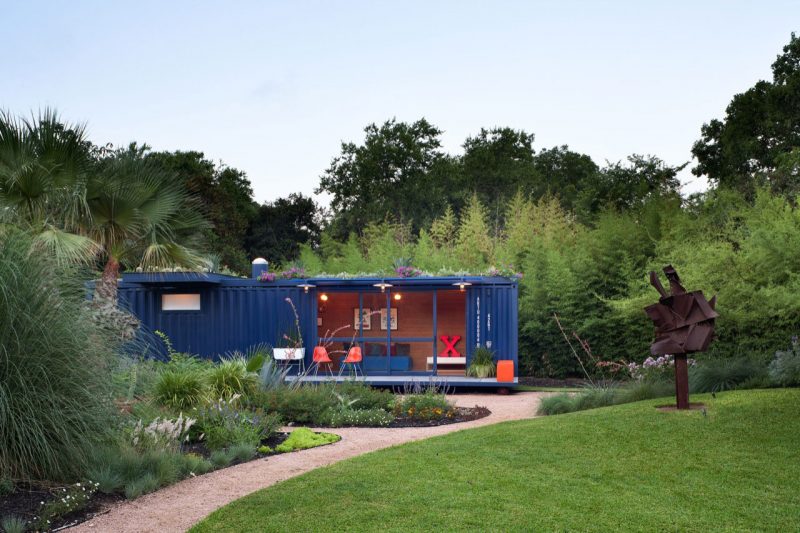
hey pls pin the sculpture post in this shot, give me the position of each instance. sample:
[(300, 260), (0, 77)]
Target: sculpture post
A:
[(682, 381)]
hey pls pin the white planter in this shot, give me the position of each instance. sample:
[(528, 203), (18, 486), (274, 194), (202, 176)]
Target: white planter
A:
[(288, 354)]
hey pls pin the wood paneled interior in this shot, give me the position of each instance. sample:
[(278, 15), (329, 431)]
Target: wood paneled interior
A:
[(414, 317)]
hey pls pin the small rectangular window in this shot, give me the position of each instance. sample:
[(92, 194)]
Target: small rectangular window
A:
[(180, 302)]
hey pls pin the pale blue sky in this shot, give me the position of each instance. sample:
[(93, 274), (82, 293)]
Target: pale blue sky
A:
[(272, 88)]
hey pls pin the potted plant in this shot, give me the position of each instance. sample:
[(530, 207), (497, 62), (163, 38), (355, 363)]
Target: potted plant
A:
[(482, 365)]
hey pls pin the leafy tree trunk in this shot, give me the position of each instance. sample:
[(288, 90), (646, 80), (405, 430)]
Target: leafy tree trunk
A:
[(106, 288)]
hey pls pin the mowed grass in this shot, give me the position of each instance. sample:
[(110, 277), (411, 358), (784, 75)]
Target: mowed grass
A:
[(628, 467)]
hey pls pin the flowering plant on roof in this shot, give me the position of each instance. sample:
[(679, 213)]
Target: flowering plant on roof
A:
[(294, 272), (267, 276), (407, 271), (505, 271)]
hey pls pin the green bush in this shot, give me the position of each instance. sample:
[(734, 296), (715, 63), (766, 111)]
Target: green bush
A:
[(55, 382), (180, 389), (221, 458), (225, 424), (302, 405), (6, 486), (719, 374), (140, 486), (192, 464), (426, 406), (242, 452), (784, 369), (13, 524), (603, 396), (107, 478), (368, 398), (122, 467), (304, 438), (557, 404), (644, 390), (230, 377)]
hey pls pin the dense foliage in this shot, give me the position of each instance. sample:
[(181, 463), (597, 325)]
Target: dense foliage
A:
[(55, 400)]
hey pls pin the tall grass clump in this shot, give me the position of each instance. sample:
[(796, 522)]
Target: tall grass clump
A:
[(231, 376), (715, 375), (55, 401)]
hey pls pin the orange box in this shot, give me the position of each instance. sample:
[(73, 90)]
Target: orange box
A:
[(505, 371)]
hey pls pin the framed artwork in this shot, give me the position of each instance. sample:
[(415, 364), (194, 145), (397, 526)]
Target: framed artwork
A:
[(366, 318), (393, 318)]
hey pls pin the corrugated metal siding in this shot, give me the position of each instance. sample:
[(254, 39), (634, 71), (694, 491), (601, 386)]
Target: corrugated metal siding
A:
[(492, 316), (231, 318)]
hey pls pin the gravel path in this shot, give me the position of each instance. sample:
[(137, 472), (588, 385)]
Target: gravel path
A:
[(178, 507)]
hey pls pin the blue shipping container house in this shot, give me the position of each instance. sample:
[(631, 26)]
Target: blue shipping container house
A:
[(408, 329)]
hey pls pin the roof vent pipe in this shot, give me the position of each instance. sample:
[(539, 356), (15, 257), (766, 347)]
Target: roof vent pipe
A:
[(260, 266)]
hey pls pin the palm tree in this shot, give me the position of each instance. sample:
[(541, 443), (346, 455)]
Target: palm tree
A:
[(82, 203), (44, 166), (141, 216)]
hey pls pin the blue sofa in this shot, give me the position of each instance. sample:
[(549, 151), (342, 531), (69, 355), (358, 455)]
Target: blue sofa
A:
[(377, 363)]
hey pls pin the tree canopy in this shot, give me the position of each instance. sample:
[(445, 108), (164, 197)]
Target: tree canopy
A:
[(750, 146)]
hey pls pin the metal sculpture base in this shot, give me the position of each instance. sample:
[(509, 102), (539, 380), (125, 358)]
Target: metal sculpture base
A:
[(682, 381)]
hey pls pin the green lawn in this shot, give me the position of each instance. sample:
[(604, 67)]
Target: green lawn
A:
[(626, 467)]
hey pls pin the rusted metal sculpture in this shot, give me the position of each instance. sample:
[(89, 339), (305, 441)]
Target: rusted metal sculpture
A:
[(684, 324)]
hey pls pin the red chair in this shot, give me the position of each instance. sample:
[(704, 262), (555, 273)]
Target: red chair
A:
[(354, 358), (321, 357)]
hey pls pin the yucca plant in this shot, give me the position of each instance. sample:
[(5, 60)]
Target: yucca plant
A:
[(55, 382)]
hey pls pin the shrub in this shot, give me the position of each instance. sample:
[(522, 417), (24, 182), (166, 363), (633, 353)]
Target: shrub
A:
[(143, 485), (368, 398), (784, 369), (180, 389), (603, 396), (714, 375), (304, 438), (644, 390), (221, 458), (427, 406), (557, 404), (242, 452), (346, 416), (13, 524), (107, 478), (225, 425), (55, 382), (134, 377), (6, 486), (482, 364), (67, 500), (230, 376), (194, 465), (303, 405)]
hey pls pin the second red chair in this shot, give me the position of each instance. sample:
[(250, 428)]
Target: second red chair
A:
[(354, 358)]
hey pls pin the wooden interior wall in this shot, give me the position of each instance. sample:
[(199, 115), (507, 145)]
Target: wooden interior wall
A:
[(414, 318)]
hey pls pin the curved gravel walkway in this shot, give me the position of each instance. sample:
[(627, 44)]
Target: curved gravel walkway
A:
[(178, 507)]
